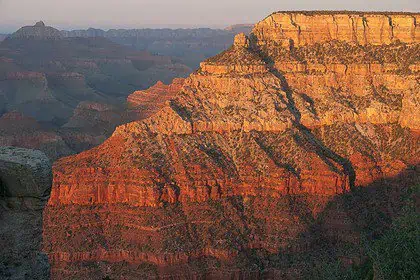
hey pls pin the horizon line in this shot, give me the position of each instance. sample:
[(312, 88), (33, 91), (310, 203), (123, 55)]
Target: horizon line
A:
[(11, 27)]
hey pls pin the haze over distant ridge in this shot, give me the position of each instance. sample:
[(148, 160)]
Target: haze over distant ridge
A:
[(166, 13)]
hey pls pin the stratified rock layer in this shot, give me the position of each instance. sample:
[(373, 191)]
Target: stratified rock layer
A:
[(18, 130), (186, 45), (148, 102), (240, 169), (308, 28), (45, 75)]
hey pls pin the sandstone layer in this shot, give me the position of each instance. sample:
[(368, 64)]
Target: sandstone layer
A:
[(241, 174), (147, 102), (308, 28)]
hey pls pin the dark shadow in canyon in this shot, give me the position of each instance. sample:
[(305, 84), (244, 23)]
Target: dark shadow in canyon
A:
[(326, 154), (2, 188), (20, 239), (341, 232)]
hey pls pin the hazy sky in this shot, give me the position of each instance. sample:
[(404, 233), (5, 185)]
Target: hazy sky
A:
[(68, 14)]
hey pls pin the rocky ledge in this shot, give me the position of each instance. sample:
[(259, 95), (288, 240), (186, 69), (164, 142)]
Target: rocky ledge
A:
[(148, 102), (25, 176), (25, 185)]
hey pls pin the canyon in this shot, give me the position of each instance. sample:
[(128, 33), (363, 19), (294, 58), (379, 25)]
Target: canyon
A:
[(65, 95), (273, 156), (248, 168), (25, 132), (189, 46), (45, 75), (64, 92)]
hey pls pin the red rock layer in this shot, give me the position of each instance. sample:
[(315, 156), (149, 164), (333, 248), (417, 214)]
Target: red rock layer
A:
[(20, 131), (364, 28), (148, 102), (237, 169)]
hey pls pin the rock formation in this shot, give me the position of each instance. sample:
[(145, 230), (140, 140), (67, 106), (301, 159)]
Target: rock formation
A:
[(309, 28), (25, 185), (20, 131), (147, 102), (39, 32), (25, 176), (92, 123), (45, 75), (189, 46), (239, 170)]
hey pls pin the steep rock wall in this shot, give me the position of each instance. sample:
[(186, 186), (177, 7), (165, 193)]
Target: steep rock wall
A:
[(243, 165), (308, 28)]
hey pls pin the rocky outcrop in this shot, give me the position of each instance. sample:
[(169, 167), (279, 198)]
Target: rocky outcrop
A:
[(148, 102), (25, 176), (238, 59), (240, 168), (362, 28), (25, 185)]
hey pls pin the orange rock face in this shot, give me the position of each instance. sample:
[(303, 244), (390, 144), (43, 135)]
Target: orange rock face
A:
[(148, 102), (241, 167), (308, 28)]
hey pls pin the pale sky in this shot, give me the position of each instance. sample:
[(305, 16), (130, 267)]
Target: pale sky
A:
[(72, 14)]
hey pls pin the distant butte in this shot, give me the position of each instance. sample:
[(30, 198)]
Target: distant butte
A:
[(37, 31), (40, 24)]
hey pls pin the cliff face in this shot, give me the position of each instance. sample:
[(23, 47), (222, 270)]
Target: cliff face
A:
[(372, 59), (240, 166), (148, 102), (308, 28)]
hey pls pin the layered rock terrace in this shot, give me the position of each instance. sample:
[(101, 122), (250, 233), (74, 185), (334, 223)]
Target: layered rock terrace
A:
[(249, 151)]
